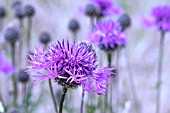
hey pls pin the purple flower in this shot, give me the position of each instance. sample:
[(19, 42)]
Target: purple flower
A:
[(107, 35), (5, 66), (160, 16), (107, 7), (70, 65)]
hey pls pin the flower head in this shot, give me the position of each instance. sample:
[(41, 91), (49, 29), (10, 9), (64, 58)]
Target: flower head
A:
[(45, 38), (2, 12), (107, 7), (23, 77), (125, 21), (5, 66), (70, 65), (19, 12), (74, 25), (91, 10), (29, 10), (11, 34), (108, 35), (160, 16)]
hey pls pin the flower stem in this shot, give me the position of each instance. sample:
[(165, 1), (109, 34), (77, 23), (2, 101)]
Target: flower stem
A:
[(52, 95), (109, 59), (29, 27), (82, 101), (131, 80), (20, 44), (1, 98), (25, 96), (15, 90), (92, 21), (74, 37), (62, 99), (159, 76), (117, 82)]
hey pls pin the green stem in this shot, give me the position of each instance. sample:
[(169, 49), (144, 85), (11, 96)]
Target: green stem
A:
[(20, 44), (29, 32), (52, 95), (62, 99), (159, 76), (82, 101), (25, 96), (118, 85), (92, 21), (15, 89), (109, 59), (75, 37), (131, 80), (1, 98)]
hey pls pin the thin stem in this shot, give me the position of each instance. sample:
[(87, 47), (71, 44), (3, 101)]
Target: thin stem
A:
[(25, 96), (131, 80), (92, 21), (118, 85), (29, 32), (20, 44), (1, 98), (52, 95), (75, 37), (109, 59), (159, 76), (62, 99), (82, 101), (15, 89)]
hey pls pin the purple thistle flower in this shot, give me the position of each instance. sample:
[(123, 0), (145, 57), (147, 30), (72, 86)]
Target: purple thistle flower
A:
[(108, 35), (5, 66), (70, 65), (160, 16), (107, 7)]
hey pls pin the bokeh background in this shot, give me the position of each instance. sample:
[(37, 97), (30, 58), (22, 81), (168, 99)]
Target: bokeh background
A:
[(53, 16)]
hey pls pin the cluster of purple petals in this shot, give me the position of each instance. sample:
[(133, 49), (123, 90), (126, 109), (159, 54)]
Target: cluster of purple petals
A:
[(5, 65), (78, 62), (107, 7), (108, 35), (160, 16)]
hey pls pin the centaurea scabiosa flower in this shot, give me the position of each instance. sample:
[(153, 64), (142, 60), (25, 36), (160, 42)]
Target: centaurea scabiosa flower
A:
[(5, 66), (70, 65), (108, 35), (107, 7), (160, 17)]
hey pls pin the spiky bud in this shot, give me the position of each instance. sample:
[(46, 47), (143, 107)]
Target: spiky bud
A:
[(29, 10), (45, 38), (11, 35), (19, 13), (2, 12), (91, 10), (124, 21), (23, 77), (16, 4), (74, 25)]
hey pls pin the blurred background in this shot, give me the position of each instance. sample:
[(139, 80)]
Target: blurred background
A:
[(53, 16)]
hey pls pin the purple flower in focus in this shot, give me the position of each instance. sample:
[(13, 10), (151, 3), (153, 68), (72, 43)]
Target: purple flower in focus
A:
[(107, 7), (160, 16), (108, 35), (5, 66), (70, 65)]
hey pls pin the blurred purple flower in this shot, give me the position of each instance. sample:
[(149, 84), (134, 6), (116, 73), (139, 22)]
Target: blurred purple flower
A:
[(107, 7), (160, 16), (70, 65), (5, 66), (107, 35)]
